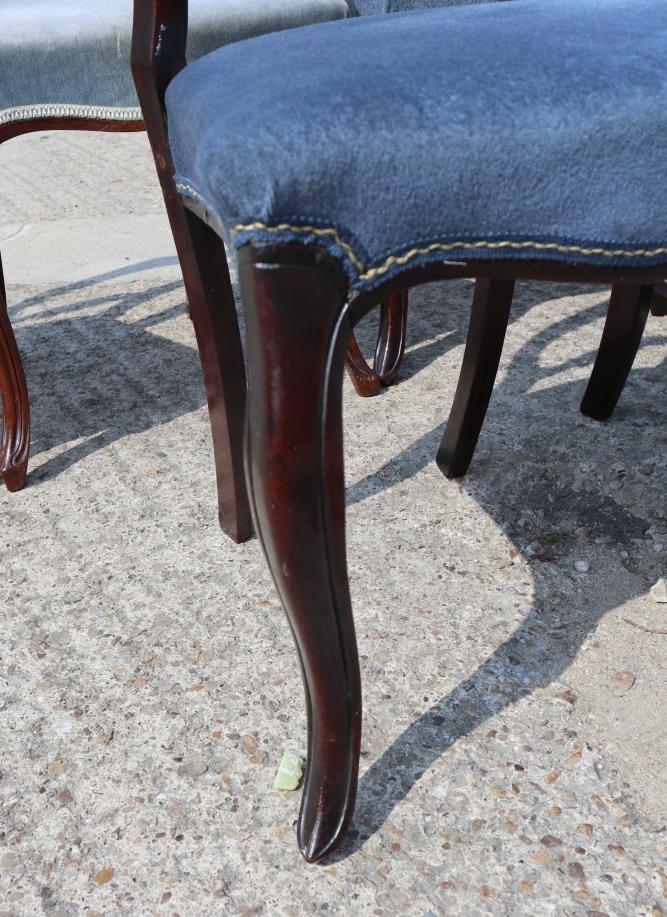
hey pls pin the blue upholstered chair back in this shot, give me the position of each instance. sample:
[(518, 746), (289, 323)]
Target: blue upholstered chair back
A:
[(71, 58)]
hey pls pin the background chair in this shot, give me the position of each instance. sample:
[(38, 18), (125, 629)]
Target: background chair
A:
[(66, 66), (571, 220)]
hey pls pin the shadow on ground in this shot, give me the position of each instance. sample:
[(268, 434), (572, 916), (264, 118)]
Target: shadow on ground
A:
[(544, 645)]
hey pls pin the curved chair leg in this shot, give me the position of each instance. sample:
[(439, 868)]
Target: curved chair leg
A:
[(297, 331), (626, 317), (391, 337), (659, 301), (15, 443), (366, 382), (491, 306), (388, 351)]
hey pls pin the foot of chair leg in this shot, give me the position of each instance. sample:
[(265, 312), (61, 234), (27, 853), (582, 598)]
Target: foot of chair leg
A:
[(14, 476), (626, 317), (491, 305), (15, 443), (365, 381), (659, 301), (213, 313), (297, 332), (391, 337)]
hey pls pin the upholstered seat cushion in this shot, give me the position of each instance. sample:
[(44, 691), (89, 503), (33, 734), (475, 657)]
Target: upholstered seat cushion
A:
[(527, 129), (376, 7), (61, 57)]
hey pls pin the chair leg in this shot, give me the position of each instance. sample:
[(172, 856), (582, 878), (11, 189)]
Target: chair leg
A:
[(366, 382), (213, 312), (388, 352), (297, 331), (391, 337), (491, 306), (212, 309), (659, 301), (626, 317), (15, 443)]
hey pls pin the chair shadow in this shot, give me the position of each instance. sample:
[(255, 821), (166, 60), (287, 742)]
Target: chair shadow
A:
[(543, 646), (95, 376)]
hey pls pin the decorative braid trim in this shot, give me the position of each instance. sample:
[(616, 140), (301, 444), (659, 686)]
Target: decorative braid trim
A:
[(58, 110), (366, 274), (401, 260)]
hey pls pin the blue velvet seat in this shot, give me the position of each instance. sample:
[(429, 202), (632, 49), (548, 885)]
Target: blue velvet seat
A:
[(377, 7), (528, 129), (72, 57)]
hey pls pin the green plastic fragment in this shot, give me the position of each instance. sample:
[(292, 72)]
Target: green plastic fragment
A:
[(288, 776)]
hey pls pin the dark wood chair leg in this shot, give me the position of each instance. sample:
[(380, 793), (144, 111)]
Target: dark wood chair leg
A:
[(659, 301), (491, 306), (203, 261), (15, 442), (391, 337), (213, 312), (388, 352), (626, 318), (297, 332), (366, 381)]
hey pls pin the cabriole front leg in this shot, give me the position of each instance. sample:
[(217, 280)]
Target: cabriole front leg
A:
[(15, 443), (297, 332)]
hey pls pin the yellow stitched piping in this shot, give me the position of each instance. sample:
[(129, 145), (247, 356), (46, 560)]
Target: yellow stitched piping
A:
[(310, 230), (538, 246), (441, 246)]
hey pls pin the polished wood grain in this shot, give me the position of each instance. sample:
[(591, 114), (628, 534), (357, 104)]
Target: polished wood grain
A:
[(297, 331)]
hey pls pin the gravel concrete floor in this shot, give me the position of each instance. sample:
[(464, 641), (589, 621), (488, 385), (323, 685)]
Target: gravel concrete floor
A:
[(514, 748)]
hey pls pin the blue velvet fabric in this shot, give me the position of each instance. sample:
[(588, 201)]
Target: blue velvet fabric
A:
[(529, 129), (376, 7), (60, 55)]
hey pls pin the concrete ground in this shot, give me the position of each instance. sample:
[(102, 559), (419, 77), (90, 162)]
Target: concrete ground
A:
[(514, 662)]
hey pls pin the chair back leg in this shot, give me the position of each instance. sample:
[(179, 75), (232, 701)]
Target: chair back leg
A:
[(490, 314), (626, 318)]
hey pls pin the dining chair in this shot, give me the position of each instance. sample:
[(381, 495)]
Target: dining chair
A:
[(525, 145)]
